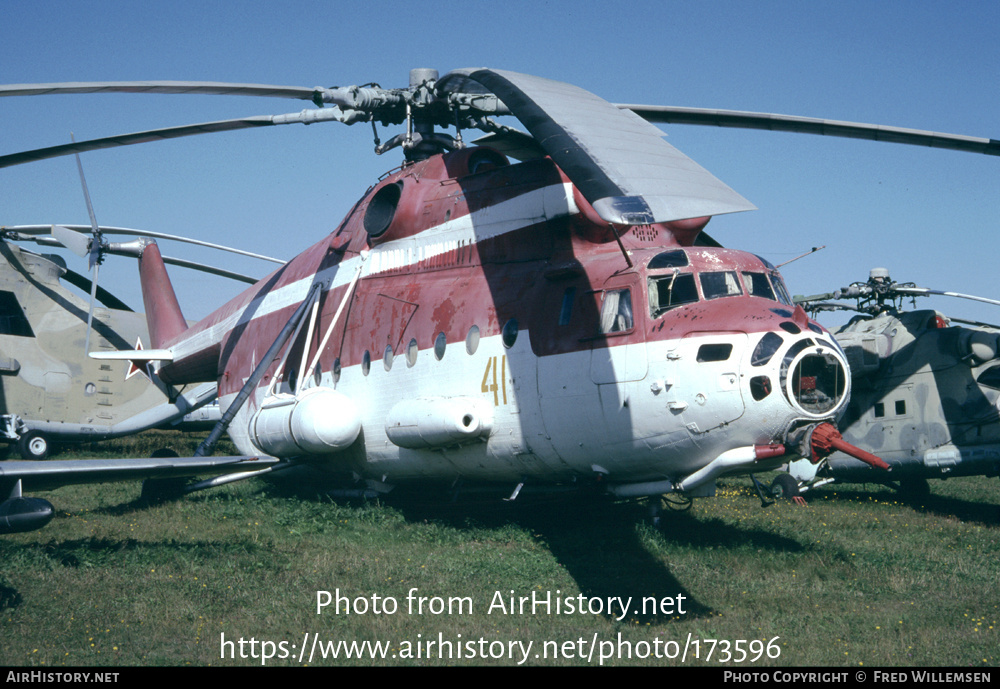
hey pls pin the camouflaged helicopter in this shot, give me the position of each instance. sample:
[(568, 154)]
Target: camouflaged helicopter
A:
[(50, 390), (925, 391)]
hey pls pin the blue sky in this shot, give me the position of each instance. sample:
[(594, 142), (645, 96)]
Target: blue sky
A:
[(930, 216)]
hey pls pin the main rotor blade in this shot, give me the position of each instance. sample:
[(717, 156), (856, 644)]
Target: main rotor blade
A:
[(47, 229), (619, 162), (809, 125), (216, 88), (303, 117), (103, 295), (924, 292)]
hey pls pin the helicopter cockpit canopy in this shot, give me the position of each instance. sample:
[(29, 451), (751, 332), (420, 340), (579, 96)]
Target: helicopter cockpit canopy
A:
[(675, 280)]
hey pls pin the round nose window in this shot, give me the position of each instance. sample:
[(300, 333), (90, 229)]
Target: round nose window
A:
[(818, 382)]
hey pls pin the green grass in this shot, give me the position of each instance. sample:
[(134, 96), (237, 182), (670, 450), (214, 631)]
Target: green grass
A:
[(857, 577)]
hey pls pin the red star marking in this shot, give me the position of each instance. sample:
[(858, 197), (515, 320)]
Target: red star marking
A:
[(138, 365)]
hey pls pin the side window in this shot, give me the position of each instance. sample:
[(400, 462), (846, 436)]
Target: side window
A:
[(566, 312), (12, 318), (616, 311)]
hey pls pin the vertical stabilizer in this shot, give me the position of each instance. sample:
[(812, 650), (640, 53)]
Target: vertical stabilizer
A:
[(163, 312)]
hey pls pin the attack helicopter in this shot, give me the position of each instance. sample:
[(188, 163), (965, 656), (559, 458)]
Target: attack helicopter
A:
[(557, 321), (924, 394), (51, 390)]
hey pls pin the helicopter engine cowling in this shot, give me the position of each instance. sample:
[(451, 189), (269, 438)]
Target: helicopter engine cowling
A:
[(438, 422), (978, 346), (317, 421)]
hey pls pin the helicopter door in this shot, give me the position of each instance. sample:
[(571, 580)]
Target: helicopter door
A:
[(618, 353)]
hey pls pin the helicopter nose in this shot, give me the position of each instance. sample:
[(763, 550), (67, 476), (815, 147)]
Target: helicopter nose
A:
[(814, 377), (809, 368)]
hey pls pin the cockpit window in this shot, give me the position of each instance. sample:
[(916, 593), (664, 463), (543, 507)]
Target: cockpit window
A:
[(780, 290), (720, 284), (669, 259), (671, 291), (765, 349), (759, 286), (616, 311), (767, 264)]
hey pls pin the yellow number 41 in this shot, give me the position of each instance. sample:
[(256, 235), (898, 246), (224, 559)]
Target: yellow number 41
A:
[(494, 387)]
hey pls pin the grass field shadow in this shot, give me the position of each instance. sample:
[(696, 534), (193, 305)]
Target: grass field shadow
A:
[(597, 542)]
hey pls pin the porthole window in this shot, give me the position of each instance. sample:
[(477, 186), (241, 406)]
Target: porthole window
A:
[(387, 357), (760, 387), (411, 352), (336, 370), (89, 389), (472, 340), (509, 333), (439, 345), (317, 375), (366, 362)]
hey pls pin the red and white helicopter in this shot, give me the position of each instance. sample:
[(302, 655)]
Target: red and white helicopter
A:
[(556, 321)]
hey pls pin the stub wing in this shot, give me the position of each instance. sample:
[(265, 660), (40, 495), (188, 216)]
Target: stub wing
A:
[(46, 475), (19, 513)]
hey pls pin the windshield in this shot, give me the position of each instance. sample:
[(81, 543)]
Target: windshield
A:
[(678, 288), (720, 284)]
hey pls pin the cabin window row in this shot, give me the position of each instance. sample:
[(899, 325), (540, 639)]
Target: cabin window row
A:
[(508, 336)]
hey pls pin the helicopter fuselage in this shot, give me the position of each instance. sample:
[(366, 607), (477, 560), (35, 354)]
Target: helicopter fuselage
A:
[(476, 322)]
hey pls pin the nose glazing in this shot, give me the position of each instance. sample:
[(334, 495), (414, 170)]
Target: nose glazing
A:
[(814, 378)]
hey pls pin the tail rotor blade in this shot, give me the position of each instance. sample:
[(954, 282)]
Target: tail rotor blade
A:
[(96, 249), (78, 243), (90, 311)]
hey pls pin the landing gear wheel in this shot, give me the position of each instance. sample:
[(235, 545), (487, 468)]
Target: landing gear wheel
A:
[(33, 445), (784, 486)]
